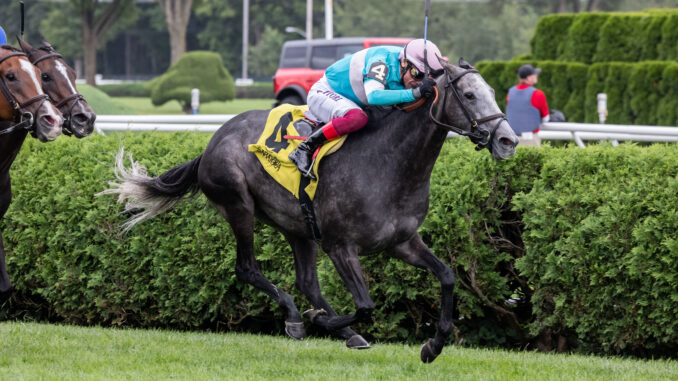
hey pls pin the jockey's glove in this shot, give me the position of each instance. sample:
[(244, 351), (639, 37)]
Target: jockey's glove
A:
[(426, 89)]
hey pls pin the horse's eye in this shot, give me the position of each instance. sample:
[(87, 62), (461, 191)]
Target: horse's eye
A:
[(470, 96), (10, 77), (45, 77)]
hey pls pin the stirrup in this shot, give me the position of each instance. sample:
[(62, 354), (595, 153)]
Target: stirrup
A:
[(308, 173)]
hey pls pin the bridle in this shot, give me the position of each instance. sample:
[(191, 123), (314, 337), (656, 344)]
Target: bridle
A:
[(22, 119), (76, 97), (478, 136)]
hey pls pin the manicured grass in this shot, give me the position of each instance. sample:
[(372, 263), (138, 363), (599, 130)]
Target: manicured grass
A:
[(40, 351), (143, 106), (106, 105)]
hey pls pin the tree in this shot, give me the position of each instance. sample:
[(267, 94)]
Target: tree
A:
[(97, 20), (177, 14)]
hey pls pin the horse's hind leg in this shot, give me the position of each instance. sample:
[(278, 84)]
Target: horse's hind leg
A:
[(415, 253), (241, 218), (346, 262), (305, 263)]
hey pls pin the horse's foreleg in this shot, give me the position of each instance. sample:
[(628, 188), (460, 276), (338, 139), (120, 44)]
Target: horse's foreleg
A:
[(348, 266), (247, 269), (415, 252), (305, 262)]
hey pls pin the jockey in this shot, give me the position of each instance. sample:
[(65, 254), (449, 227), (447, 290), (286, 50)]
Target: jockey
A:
[(3, 37), (381, 75)]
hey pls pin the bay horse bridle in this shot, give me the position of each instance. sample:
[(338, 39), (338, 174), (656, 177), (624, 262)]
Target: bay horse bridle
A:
[(22, 119), (76, 97), (480, 137)]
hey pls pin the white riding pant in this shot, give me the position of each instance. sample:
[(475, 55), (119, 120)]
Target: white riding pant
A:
[(325, 104)]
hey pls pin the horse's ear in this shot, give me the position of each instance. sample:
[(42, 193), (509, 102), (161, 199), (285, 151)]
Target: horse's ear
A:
[(465, 65), (25, 46), (46, 44), (453, 70)]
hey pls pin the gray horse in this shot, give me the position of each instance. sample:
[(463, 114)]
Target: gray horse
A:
[(372, 197)]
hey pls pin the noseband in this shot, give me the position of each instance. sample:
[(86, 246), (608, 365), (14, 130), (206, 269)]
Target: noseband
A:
[(76, 96), (22, 119), (478, 136)]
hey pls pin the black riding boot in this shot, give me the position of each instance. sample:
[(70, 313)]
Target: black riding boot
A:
[(302, 156)]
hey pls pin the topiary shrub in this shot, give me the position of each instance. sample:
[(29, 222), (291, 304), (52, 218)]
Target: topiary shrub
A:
[(667, 109), (668, 47), (621, 38), (595, 84), (618, 93), (582, 37), (652, 38), (198, 69), (645, 91), (550, 36)]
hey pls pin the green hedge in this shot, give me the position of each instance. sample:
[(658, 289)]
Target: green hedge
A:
[(607, 37), (638, 93), (177, 270), (600, 227)]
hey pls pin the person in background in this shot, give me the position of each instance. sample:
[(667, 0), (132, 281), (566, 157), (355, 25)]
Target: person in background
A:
[(526, 107), (3, 37)]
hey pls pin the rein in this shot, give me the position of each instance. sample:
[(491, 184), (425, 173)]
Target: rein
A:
[(22, 119), (75, 96), (474, 133)]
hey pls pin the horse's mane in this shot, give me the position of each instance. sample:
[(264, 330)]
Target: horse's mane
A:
[(10, 48), (47, 48)]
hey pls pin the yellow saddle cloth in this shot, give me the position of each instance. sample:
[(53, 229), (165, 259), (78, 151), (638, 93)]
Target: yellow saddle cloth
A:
[(273, 149)]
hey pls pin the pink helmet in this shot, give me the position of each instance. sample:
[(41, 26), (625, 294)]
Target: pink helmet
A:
[(414, 53)]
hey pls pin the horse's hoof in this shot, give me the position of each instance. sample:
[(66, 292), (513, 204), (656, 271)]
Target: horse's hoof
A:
[(313, 314), (428, 354), (357, 342), (295, 330)]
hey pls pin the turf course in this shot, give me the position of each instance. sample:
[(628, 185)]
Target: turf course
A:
[(54, 352), (106, 105)]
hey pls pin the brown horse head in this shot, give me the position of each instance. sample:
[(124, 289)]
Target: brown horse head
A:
[(23, 97), (58, 80)]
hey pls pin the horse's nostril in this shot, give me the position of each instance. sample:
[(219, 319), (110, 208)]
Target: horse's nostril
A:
[(506, 141), (81, 118), (49, 120)]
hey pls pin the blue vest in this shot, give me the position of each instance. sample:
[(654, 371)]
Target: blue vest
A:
[(521, 115), (3, 37)]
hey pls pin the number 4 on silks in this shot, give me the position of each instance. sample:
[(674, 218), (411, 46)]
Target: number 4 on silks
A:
[(379, 72)]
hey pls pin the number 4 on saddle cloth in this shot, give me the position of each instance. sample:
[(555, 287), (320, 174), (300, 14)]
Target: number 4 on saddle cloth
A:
[(285, 129)]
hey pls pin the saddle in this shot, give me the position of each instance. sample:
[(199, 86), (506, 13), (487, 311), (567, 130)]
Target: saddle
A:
[(286, 127)]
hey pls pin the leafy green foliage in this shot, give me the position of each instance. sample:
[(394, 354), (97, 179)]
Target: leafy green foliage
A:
[(177, 270), (582, 37), (550, 36), (196, 69), (620, 38), (601, 248)]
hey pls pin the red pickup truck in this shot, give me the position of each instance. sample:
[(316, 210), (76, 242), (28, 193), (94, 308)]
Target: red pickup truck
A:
[(303, 62)]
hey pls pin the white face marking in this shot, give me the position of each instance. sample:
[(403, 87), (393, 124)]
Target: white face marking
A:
[(30, 69), (61, 68), (51, 110)]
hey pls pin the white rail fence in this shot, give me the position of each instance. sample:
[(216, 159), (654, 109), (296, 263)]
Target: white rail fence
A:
[(577, 132)]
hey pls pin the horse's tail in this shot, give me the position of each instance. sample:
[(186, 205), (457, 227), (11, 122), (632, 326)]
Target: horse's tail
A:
[(146, 197)]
